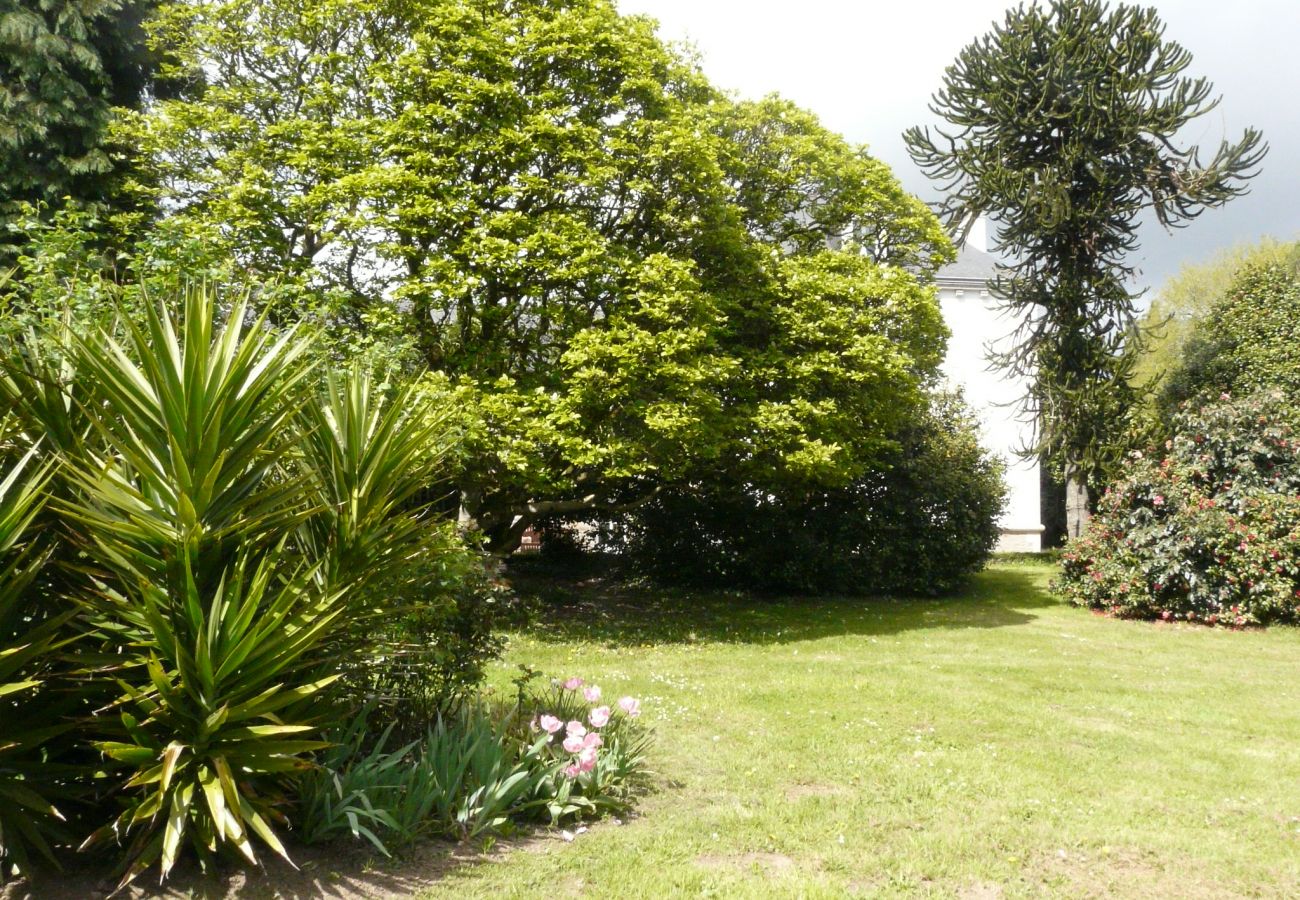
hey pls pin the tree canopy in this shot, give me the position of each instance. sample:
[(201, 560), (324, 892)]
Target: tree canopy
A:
[(1247, 342), (1062, 123), (1185, 301), (622, 275)]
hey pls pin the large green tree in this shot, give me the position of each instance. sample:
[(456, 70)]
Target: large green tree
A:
[(1246, 343), (1062, 123), (1184, 302), (65, 65), (622, 275)]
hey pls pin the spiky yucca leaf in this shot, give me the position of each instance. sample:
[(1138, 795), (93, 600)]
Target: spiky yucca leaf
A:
[(369, 455), (196, 425), (29, 640), (223, 714)]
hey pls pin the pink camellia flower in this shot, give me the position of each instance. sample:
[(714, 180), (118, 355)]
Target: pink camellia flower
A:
[(599, 716), (574, 744), (575, 729), (592, 693), (572, 771), (550, 724), (573, 683), (631, 706), (1158, 500), (587, 759)]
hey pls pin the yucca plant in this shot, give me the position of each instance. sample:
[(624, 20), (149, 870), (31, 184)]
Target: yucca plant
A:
[(370, 453), (224, 507), (30, 638), (421, 597), (191, 461), (187, 497), (226, 712)]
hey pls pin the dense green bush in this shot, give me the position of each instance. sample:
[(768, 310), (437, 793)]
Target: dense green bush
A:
[(1249, 341), (1206, 530), (917, 527), (443, 611), (1184, 302)]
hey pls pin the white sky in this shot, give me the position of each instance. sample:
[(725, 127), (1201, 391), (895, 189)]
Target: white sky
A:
[(868, 68)]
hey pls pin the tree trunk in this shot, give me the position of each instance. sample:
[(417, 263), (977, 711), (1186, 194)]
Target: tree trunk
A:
[(1076, 501)]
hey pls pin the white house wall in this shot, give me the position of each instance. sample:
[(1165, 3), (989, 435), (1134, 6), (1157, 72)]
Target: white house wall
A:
[(975, 321)]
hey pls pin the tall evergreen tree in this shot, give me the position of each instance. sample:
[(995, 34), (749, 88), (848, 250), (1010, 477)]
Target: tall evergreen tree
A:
[(1063, 126), (64, 66)]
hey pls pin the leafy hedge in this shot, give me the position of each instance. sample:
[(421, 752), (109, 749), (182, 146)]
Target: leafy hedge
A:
[(918, 526), (1208, 530)]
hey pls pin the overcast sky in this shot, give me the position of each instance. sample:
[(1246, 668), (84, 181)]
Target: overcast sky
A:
[(868, 68)]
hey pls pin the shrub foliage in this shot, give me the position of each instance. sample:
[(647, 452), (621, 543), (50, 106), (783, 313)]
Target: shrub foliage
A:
[(1207, 530), (1247, 342), (917, 526), (218, 516)]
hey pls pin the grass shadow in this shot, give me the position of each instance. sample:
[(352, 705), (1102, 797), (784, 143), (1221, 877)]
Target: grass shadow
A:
[(339, 871), (601, 610)]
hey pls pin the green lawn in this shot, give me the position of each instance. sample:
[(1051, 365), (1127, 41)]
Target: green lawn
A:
[(993, 744)]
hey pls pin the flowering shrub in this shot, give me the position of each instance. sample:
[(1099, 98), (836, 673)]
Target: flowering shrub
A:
[(1207, 530)]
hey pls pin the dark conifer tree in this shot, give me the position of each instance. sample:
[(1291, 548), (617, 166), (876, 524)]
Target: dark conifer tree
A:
[(64, 66)]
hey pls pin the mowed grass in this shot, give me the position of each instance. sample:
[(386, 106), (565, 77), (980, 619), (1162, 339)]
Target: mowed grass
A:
[(997, 743)]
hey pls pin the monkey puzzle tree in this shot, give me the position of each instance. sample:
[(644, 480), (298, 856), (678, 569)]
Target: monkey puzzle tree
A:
[(1063, 126)]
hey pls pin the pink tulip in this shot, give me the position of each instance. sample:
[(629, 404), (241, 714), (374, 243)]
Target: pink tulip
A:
[(575, 729), (574, 744), (572, 771), (592, 693), (550, 724), (587, 759), (573, 683), (631, 706), (599, 716), (592, 741)]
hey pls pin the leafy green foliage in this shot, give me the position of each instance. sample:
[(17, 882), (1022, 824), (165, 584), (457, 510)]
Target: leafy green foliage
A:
[(31, 634), (936, 506), (611, 267), (1221, 327), (1247, 342), (1184, 302), (65, 65), (474, 771), (1207, 531), (1064, 121), (442, 610)]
